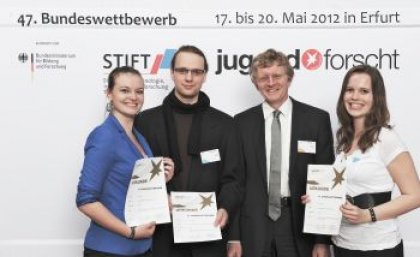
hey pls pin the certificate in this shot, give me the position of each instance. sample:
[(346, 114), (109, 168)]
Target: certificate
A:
[(193, 215), (326, 187), (147, 199)]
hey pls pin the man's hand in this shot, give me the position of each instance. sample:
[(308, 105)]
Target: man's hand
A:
[(170, 203), (169, 167), (234, 249), (305, 199), (321, 250), (221, 218)]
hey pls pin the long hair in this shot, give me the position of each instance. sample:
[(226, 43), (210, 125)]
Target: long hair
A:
[(377, 118)]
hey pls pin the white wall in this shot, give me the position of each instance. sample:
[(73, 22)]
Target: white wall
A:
[(49, 112)]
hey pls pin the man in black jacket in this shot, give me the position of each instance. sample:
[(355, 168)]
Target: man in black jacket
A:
[(278, 139), (187, 129)]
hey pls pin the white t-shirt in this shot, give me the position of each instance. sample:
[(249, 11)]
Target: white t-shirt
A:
[(367, 173)]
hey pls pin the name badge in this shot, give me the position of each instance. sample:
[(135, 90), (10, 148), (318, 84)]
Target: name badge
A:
[(210, 156), (306, 146)]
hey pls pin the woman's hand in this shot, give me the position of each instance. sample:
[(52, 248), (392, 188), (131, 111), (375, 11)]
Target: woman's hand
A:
[(354, 214), (169, 167), (145, 231)]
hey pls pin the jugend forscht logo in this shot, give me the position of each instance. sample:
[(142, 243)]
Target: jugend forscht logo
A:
[(313, 59)]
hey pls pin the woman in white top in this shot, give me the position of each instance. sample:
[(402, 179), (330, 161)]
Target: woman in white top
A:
[(375, 159)]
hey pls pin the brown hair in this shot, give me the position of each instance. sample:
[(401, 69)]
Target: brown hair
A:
[(189, 49), (120, 70), (377, 118), (269, 58)]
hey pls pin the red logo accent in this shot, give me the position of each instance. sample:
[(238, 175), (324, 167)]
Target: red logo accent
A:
[(156, 64), (311, 59)]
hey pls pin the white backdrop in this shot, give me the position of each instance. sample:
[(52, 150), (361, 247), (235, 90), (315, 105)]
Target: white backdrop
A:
[(53, 81)]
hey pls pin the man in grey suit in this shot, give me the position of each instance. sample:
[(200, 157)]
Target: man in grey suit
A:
[(278, 139)]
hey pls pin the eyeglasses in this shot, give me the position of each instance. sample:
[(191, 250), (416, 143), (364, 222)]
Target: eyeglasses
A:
[(273, 77), (194, 72)]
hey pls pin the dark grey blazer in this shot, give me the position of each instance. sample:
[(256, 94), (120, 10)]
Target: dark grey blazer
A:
[(308, 124), (221, 177)]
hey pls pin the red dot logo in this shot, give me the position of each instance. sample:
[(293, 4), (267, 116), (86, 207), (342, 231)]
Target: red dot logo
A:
[(311, 59)]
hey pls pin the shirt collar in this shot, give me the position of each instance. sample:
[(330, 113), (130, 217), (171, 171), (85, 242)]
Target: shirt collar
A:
[(285, 108)]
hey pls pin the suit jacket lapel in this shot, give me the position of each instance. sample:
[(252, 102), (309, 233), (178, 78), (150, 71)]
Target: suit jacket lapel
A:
[(161, 138), (295, 132), (259, 142)]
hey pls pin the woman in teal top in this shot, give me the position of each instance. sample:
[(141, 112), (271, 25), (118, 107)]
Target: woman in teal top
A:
[(111, 151)]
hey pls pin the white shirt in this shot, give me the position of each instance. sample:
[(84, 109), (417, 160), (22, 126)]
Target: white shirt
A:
[(286, 124), (367, 173)]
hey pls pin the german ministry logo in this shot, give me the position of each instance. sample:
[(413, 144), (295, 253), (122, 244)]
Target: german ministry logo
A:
[(23, 57)]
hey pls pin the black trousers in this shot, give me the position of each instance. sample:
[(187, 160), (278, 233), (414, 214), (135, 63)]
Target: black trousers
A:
[(92, 253), (279, 239), (397, 251)]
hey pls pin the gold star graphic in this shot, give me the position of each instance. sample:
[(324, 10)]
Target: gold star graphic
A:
[(156, 169), (338, 177), (206, 201)]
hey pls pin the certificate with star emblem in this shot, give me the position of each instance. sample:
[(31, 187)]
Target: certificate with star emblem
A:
[(326, 187), (147, 199), (193, 215)]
